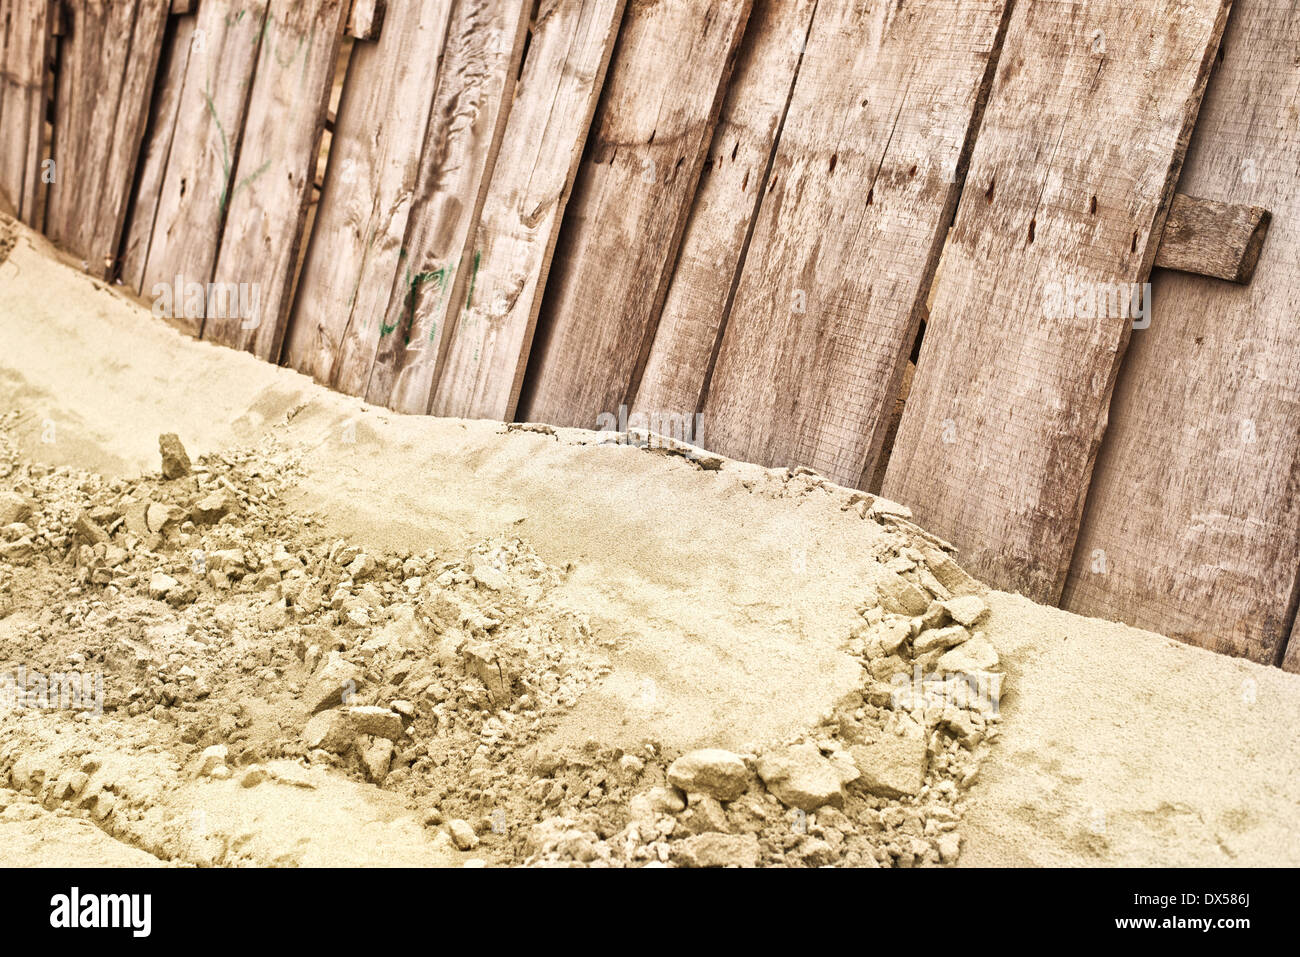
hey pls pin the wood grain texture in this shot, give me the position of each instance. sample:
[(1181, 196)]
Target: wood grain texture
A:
[(565, 66), (1192, 525), (1214, 239), (859, 197), (366, 19), (26, 37), (9, 194), (479, 66), (107, 61), (724, 208), (7, 148), (997, 444), (1291, 659), (152, 165), (652, 131), (273, 180), (201, 181), (356, 244)]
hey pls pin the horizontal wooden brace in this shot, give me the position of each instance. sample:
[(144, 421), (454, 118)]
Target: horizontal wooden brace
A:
[(1213, 239)]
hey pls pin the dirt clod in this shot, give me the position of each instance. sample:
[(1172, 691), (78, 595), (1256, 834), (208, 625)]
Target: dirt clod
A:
[(175, 461)]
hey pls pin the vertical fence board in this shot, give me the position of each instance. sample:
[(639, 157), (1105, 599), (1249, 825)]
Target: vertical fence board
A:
[(164, 111), (1192, 526), (723, 211), (525, 203), (859, 197), (1069, 181), (479, 67), (1291, 660), (107, 62), (200, 179), (630, 203), (356, 244), (25, 42), (272, 183)]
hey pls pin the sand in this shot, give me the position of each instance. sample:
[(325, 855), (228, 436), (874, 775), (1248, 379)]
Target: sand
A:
[(728, 591)]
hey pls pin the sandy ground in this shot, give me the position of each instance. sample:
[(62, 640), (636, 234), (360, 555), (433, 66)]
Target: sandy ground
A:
[(728, 591)]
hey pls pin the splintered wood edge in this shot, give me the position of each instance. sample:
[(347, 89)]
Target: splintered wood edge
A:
[(1213, 239), (182, 7), (366, 19)]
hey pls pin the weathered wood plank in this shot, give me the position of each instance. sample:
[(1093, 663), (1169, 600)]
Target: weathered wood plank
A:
[(366, 19), (200, 180), (157, 147), (8, 147), (996, 447), (13, 131), (1192, 525), (356, 245), (479, 66), (1210, 238), (849, 233), (725, 205), (25, 42), (7, 143), (107, 62), (652, 131), (277, 166), (565, 66), (1291, 660)]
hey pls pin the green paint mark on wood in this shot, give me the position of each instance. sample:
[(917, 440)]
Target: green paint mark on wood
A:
[(225, 147), (413, 284), (478, 258)]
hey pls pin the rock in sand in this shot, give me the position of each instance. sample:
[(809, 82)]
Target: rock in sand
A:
[(712, 771), (800, 777), (175, 461)]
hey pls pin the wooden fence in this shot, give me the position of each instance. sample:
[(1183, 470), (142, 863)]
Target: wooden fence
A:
[(741, 218)]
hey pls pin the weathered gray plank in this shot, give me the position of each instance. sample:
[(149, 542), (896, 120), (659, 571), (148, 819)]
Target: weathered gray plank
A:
[(1192, 525), (25, 44), (157, 147), (1210, 238), (200, 180), (630, 203), (542, 144), (996, 447), (849, 233), (8, 149), (107, 61), (276, 170), (723, 211), (479, 66), (356, 244)]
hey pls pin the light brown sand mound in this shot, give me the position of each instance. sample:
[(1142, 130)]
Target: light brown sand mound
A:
[(728, 593), (1127, 748)]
